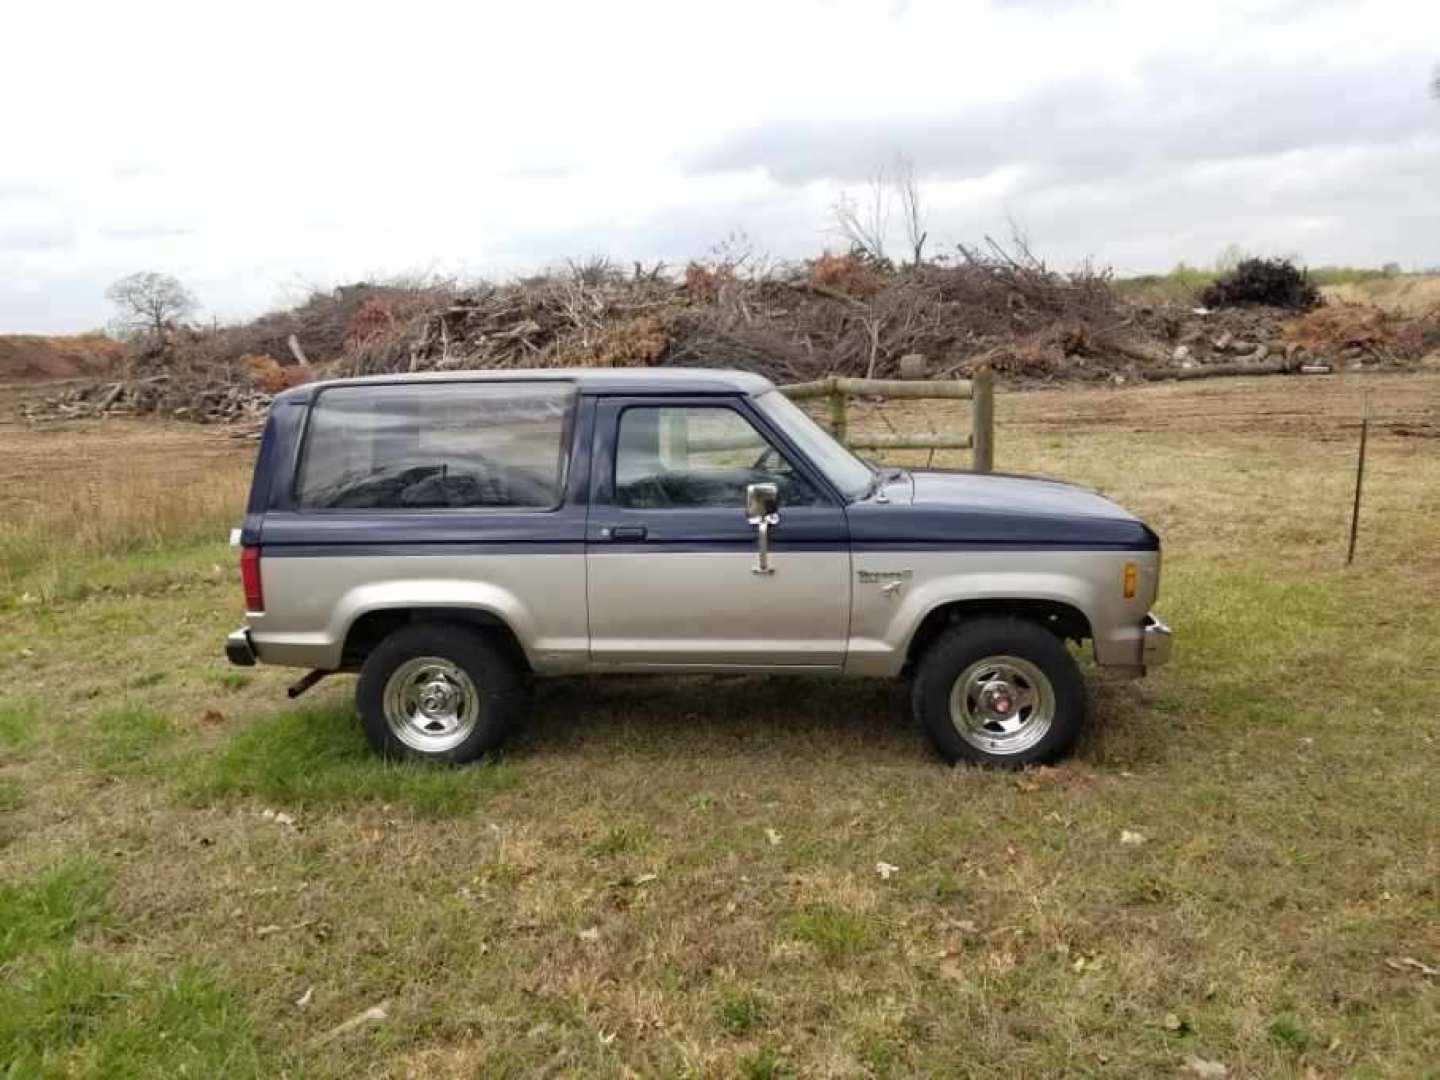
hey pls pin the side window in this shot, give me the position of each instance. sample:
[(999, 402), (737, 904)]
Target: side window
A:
[(423, 446), (694, 456)]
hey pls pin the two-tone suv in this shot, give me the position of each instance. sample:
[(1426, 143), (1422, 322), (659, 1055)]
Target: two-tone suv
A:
[(451, 536)]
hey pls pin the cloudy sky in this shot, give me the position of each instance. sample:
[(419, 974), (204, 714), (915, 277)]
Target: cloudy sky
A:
[(258, 149)]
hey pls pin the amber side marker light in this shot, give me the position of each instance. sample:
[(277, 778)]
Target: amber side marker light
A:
[(1131, 573)]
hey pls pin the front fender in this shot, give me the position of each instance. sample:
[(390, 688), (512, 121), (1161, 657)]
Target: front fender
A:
[(886, 616)]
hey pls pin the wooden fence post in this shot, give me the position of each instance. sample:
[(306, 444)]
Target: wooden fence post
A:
[(838, 427), (983, 419)]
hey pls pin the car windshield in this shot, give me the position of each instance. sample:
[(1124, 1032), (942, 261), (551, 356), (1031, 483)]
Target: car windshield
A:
[(847, 472)]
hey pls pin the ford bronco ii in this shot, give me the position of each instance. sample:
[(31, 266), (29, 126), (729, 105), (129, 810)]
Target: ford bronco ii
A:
[(451, 536)]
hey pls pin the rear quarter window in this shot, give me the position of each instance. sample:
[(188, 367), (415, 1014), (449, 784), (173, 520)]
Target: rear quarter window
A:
[(422, 446)]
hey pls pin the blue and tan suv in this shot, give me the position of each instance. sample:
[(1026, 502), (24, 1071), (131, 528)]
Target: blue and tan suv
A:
[(451, 536)]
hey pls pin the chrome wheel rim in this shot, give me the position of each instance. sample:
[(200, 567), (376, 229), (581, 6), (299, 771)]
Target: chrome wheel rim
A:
[(1002, 705), (431, 704)]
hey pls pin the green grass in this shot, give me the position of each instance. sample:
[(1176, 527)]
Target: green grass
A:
[(620, 840), (77, 1015), (339, 768), (18, 721), (127, 737), (51, 579), (835, 933), (52, 908), (740, 1013), (65, 1011), (763, 1064), (1184, 284), (1348, 275)]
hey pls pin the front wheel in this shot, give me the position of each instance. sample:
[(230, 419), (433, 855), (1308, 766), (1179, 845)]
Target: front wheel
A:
[(999, 691), (438, 692)]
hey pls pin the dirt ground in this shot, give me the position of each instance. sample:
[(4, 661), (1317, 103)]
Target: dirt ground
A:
[(164, 448), (35, 357)]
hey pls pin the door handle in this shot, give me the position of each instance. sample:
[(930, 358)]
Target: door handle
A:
[(762, 558), (628, 532)]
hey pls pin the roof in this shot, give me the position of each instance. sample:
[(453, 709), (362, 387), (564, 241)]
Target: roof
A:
[(637, 380)]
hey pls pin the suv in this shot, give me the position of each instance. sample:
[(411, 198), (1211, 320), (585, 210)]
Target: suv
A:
[(450, 536)]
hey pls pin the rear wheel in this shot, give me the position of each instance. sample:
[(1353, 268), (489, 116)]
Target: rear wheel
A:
[(999, 691), (438, 692)]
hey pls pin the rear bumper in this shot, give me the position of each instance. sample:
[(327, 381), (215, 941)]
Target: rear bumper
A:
[(1155, 649), (238, 649)]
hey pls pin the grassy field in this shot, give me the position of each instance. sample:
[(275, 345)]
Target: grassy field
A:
[(1407, 294), (679, 877)]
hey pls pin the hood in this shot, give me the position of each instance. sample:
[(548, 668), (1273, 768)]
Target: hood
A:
[(1009, 494), (967, 509)]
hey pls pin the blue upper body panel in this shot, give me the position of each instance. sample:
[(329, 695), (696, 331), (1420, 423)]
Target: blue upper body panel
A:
[(920, 510), (937, 510)]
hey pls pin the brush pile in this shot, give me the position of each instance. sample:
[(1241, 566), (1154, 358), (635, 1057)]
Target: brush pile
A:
[(994, 305), (836, 314)]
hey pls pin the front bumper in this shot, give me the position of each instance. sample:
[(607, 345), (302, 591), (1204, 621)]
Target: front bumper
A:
[(238, 648), (1156, 647)]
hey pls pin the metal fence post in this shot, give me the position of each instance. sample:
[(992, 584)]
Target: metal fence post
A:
[(983, 419)]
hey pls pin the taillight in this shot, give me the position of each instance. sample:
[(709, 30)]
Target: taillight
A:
[(250, 577)]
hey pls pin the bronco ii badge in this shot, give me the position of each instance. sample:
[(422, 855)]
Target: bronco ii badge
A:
[(877, 577), (890, 581)]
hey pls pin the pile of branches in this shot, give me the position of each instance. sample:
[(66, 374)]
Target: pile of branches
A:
[(844, 314), (993, 304), (847, 314), (1364, 333), (182, 375)]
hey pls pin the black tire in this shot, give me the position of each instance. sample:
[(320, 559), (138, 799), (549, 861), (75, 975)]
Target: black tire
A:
[(964, 650), (481, 726)]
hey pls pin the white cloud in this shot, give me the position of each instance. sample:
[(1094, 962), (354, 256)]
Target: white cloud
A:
[(248, 148)]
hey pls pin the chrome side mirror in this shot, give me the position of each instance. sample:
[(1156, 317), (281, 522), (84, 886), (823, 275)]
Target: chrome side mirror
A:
[(762, 509), (761, 501)]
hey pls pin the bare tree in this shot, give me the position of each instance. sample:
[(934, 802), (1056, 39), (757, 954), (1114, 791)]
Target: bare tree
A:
[(865, 224), (148, 301), (907, 188)]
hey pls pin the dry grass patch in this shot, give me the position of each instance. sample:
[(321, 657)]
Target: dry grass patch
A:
[(101, 492)]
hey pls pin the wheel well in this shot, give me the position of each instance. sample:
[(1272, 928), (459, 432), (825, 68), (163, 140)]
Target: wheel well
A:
[(1063, 620), (373, 627)]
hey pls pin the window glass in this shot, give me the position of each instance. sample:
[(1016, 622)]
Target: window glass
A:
[(698, 456), (436, 445), (847, 472)]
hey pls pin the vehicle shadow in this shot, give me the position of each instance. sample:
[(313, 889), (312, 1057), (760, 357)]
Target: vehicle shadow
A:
[(716, 716), (789, 716)]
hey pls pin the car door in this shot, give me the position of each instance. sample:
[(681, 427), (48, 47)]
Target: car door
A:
[(671, 558)]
